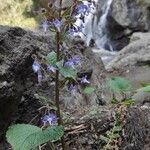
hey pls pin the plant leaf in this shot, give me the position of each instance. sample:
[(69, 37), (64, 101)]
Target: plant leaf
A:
[(118, 84), (26, 137), (145, 89), (88, 90), (51, 58), (67, 72), (114, 101), (128, 102)]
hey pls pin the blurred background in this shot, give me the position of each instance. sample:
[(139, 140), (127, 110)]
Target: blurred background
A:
[(22, 13)]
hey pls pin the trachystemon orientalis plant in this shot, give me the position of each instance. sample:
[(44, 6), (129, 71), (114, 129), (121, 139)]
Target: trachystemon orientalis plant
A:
[(60, 19)]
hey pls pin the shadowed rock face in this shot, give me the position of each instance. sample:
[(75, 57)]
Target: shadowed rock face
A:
[(11, 72), (16, 48)]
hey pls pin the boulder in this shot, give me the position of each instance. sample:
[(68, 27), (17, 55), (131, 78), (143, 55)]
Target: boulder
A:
[(132, 14), (16, 48), (125, 18), (135, 54)]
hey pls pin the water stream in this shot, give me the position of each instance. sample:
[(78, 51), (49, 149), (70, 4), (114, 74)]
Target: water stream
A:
[(95, 27), (100, 34)]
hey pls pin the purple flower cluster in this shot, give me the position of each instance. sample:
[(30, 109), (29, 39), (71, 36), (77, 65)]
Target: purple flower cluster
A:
[(55, 23), (83, 9), (49, 119), (71, 62)]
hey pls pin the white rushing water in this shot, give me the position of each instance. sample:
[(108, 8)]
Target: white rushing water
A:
[(101, 32), (95, 29)]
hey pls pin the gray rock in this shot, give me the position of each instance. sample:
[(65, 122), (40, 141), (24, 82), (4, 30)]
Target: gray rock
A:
[(132, 14), (136, 53), (16, 48)]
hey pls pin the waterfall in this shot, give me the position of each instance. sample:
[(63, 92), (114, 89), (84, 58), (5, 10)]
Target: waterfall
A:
[(101, 34), (97, 30)]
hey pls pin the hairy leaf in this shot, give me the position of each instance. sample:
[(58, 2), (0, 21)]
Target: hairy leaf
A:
[(26, 137), (67, 72), (51, 58)]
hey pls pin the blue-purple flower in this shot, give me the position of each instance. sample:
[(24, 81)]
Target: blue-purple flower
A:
[(57, 24), (83, 9), (45, 26), (72, 88), (84, 80), (36, 66), (71, 62), (49, 119), (79, 28), (76, 60), (37, 69), (51, 68)]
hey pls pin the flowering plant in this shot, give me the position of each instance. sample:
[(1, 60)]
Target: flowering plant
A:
[(59, 62)]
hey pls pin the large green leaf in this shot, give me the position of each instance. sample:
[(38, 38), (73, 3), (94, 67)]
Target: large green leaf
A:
[(27, 137), (67, 72), (119, 84), (51, 58)]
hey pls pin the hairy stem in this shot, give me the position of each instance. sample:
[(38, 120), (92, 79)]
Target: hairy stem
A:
[(60, 122)]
